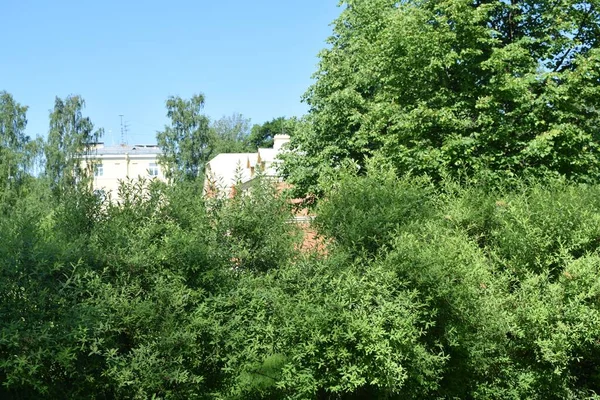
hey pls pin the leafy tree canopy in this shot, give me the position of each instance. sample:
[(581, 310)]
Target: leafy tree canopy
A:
[(230, 134), (186, 142), (13, 141), (69, 140), (457, 86), (262, 135)]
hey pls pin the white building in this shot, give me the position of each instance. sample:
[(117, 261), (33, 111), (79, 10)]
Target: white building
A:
[(116, 163), (227, 170)]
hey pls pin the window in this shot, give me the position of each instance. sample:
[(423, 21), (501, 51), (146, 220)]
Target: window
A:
[(153, 169), (98, 170)]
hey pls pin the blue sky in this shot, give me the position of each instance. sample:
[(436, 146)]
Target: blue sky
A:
[(128, 57)]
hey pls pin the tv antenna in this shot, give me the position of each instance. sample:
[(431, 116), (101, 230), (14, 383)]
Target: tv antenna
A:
[(124, 129)]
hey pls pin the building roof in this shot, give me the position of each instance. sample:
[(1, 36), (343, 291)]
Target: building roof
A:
[(227, 168), (128, 149), (267, 155)]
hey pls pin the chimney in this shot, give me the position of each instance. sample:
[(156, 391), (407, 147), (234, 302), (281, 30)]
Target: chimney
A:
[(280, 140)]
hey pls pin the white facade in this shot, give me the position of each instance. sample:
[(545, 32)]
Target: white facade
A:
[(117, 163), (227, 170)]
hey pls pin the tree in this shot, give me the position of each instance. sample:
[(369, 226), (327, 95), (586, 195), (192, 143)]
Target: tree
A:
[(69, 142), (457, 86), (13, 142), (262, 135), (230, 134), (186, 143)]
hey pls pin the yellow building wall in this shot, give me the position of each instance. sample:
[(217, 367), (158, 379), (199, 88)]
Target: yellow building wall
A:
[(109, 170)]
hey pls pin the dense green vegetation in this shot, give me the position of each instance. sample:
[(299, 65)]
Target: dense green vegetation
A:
[(456, 87), (424, 292), (452, 147)]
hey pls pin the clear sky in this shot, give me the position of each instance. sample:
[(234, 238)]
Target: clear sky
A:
[(127, 57)]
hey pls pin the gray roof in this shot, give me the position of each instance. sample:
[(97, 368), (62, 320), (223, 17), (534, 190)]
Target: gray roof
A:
[(130, 149)]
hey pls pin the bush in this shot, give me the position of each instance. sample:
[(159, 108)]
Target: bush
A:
[(364, 214), (493, 267), (455, 292)]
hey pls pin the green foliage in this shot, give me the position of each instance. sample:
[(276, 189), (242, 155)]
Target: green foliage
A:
[(17, 151), (364, 215), (186, 144), (456, 87), (230, 134), (255, 228), (261, 136), (420, 291), (494, 268), (12, 141), (69, 143), (108, 299), (325, 329)]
